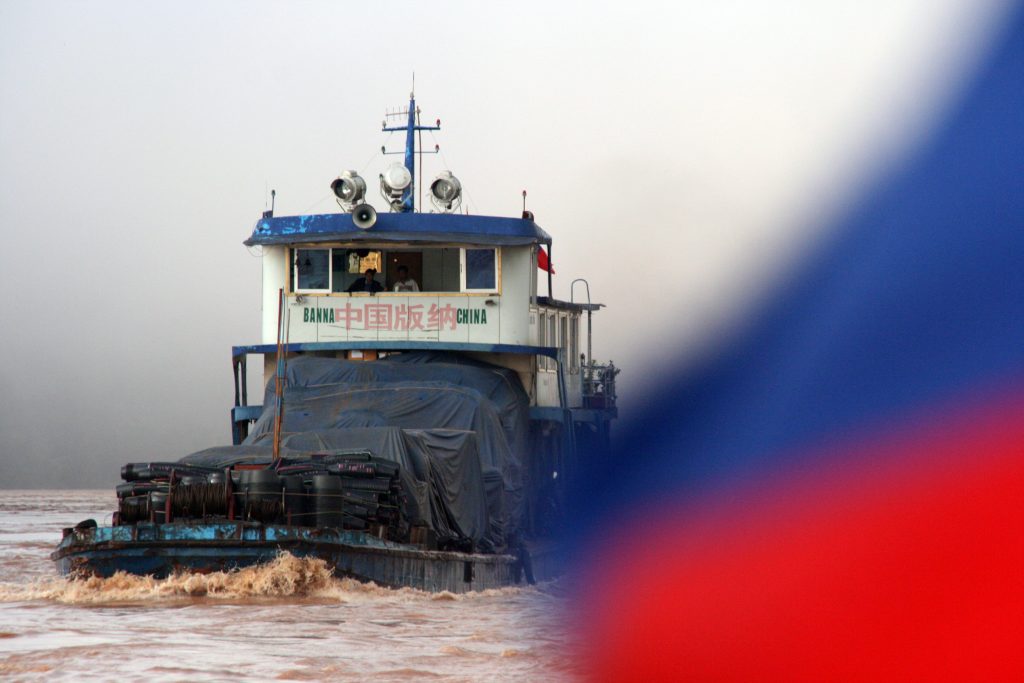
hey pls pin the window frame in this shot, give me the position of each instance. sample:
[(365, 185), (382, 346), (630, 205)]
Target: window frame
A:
[(574, 344), (292, 276), (463, 271), (553, 338), (563, 332), (295, 270), (542, 339)]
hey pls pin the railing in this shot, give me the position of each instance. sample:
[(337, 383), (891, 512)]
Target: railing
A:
[(599, 385)]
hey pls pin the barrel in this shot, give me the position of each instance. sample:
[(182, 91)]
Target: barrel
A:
[(327, 500), (158, 504), (262, 485), (295, 500), (261, 491)]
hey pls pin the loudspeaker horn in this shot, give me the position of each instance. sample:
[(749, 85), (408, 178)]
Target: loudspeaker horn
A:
[(364, 216)]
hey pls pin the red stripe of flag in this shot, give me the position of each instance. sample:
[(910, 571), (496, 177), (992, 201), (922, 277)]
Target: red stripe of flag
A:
[(905, 562), (542, 261)]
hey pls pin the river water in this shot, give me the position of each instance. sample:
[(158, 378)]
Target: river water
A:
[(290, 620)]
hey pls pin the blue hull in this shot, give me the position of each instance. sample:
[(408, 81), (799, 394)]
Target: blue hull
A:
[(164, 549)]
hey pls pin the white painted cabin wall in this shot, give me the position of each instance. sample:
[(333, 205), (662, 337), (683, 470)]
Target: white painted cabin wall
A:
[(546, 391), (547, 372), (510, 320), (275, 273), (516, 271), (507, 314)]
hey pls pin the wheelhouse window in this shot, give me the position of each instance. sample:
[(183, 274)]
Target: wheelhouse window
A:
[(349, 265), (312, 270), (479, 270), (552, 335), (550, 338), (333, 270), (358, 260)]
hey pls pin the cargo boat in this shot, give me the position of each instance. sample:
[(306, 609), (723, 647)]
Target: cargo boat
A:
[(424, 406)]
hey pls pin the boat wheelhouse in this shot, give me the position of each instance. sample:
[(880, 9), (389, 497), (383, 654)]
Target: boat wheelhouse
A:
[(477, 295)]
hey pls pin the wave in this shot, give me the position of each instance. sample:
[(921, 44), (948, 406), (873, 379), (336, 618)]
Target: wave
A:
[(285, 577)]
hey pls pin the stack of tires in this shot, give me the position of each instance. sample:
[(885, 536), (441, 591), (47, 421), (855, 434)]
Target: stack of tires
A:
[(371, 494), (354, 491), (351, 490)]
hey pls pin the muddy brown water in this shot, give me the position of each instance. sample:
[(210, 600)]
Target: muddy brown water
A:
[(289, 620)]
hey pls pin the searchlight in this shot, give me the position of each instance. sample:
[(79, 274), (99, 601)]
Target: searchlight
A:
[(394, 181), (349, 188), (446, 192)]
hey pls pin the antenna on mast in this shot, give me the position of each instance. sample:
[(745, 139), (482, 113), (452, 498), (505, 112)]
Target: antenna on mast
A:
[(398, 186), (270, 212), (527, 215)]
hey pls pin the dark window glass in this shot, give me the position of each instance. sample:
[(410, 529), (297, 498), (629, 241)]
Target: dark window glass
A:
[(574, 343), (480, 269), (313, 266), (339, 270)]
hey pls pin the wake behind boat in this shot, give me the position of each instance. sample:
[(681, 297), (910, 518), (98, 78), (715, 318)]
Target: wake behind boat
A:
[(424, 405)]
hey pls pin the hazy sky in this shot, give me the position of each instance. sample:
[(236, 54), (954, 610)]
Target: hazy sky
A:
[(677, 153)]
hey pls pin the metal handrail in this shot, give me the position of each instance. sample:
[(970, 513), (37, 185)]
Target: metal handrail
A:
[(599, 385), (572, 299)]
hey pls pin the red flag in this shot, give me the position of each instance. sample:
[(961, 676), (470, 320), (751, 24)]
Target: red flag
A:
[(542, 261)]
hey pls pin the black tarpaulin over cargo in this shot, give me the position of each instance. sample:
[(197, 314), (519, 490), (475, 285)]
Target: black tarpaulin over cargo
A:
[(458, 499), (424, 394), (441, 475), (500, 386), (226, 456)]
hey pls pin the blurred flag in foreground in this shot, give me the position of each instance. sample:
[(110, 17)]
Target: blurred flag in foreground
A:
[(839, 493)]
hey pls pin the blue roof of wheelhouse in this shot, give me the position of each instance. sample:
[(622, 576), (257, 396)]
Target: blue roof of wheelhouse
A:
[(399, 227)]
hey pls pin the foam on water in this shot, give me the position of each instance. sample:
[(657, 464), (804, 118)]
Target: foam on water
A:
[(286, 576)]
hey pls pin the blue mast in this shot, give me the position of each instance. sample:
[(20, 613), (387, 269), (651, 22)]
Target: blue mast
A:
[(410, 153), (410, 149)]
